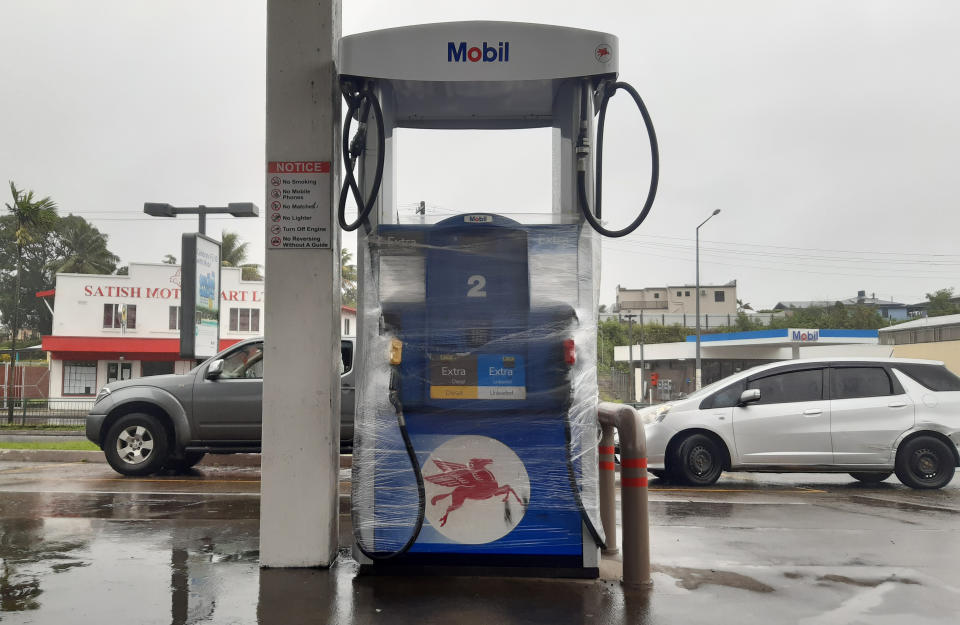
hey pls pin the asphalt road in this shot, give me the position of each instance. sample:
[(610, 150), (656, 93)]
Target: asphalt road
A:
[(81, 544)]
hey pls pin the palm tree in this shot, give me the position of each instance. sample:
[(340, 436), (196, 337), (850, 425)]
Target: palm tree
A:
[(233, 253), (34, 217), (348, 278), (84, 248)]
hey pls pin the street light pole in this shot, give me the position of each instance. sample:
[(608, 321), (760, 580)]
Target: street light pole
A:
[(699, 380), (237, 209)]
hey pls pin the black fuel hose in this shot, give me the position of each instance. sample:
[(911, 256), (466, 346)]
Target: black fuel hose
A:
[(593, 217), (359, 104), (571, 473), (418, 474)]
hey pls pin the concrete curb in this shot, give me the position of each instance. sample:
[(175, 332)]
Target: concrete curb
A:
[(62, 455)]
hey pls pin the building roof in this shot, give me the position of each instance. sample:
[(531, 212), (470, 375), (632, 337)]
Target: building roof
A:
[(925, 322), (849, 301)]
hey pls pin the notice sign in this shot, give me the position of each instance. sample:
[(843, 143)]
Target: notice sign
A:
[(298, 197)]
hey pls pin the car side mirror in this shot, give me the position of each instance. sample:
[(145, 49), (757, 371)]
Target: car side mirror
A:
[(215, 369), (749, 395)]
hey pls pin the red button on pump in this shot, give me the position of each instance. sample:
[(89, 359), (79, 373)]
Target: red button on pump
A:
[(569, 351)]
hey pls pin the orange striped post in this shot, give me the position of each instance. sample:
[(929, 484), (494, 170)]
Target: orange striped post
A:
[(608, 490), (633, 491)]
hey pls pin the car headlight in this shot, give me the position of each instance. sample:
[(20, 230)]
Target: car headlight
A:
[(662, 411), (654, 414), (103, 394)]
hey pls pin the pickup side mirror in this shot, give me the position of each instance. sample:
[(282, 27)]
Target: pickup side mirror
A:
[(215, 369), (749, 395)]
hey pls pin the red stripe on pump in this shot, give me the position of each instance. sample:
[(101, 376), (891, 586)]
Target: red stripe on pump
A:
[(634, 463), (635, 482), (607, 466), (606, 450)]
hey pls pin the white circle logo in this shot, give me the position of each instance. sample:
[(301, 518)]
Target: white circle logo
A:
[(477, 489)]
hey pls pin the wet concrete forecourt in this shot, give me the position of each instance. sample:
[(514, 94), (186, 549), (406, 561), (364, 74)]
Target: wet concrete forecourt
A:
[(81, 544)]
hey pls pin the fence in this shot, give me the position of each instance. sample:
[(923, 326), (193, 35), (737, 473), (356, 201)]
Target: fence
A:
[(690, 320), (46, 412)]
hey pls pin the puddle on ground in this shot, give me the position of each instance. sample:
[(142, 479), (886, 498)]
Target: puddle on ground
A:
[(692, 579), (900, 505)]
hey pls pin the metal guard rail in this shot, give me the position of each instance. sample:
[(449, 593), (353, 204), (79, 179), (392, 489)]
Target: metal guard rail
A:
[(633, 497)]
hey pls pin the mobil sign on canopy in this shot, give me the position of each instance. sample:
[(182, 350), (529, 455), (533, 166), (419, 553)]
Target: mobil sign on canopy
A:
[(804, 335)]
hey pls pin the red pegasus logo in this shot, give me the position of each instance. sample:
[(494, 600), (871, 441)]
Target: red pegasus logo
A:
[(467, 482), (601, 52)]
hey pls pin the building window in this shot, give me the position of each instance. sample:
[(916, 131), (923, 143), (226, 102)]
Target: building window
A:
[(156, 368), (244, 319), (113, 315), (80, 378), (656, 296), (174, 318), (718, 296), (686, 293), (346, 327), (119, 371), (679, 293)]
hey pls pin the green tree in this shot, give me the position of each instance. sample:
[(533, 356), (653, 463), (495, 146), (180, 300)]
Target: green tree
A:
[(81, 248), (348, 278), (123, 271), (233, 253), (169, 259), (34, 218), (940, 303)]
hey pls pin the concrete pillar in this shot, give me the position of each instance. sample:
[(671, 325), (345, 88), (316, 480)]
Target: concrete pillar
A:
[(301, 379)]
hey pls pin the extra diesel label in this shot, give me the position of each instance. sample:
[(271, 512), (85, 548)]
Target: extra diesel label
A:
[(480, 376)]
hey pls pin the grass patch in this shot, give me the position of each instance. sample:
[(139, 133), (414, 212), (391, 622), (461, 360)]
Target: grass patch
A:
[(68, 445)]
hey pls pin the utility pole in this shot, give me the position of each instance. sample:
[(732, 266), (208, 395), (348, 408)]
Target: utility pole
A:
[(642, 369), (633, 390)]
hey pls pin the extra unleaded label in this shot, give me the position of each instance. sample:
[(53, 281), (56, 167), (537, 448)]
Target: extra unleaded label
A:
[(480, 376)]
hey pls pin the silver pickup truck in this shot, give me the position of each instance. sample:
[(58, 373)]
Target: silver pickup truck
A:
[(172, 421)]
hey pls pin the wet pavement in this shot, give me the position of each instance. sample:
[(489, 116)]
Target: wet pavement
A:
[(80, 544)]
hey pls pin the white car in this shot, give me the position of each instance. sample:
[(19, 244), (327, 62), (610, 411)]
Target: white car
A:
[(869, 417)]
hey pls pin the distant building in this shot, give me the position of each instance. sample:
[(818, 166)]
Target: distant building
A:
[(109, 327), (888, 309), (935, 338), (678, 299)]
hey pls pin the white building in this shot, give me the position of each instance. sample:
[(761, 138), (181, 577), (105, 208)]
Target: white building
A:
[(94, 343), (719, 299)]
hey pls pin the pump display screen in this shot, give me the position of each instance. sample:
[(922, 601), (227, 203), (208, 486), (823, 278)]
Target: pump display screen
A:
[(477, 376)]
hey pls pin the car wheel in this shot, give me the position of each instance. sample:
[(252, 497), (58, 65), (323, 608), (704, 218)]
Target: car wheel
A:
[(189, 459), (136, 444), (698, 461), (925, 462), (871, 478)]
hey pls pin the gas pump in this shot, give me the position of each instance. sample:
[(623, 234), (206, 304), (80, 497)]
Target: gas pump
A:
[(476, 431)]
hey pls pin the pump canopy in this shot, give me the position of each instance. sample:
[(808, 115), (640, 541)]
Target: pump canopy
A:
[(477, 69)]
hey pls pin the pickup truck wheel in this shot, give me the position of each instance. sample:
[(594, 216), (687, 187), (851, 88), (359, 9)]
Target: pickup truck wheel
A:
[(870, 478), (136, 444), (925, 462), (189, 459)]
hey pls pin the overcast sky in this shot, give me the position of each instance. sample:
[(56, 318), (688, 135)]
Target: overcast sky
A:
[(826, 132)]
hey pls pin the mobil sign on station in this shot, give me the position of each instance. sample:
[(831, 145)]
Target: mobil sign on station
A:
[(804, 335)]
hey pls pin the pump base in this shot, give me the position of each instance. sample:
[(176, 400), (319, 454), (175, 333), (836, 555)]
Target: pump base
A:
[(382, 569)]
